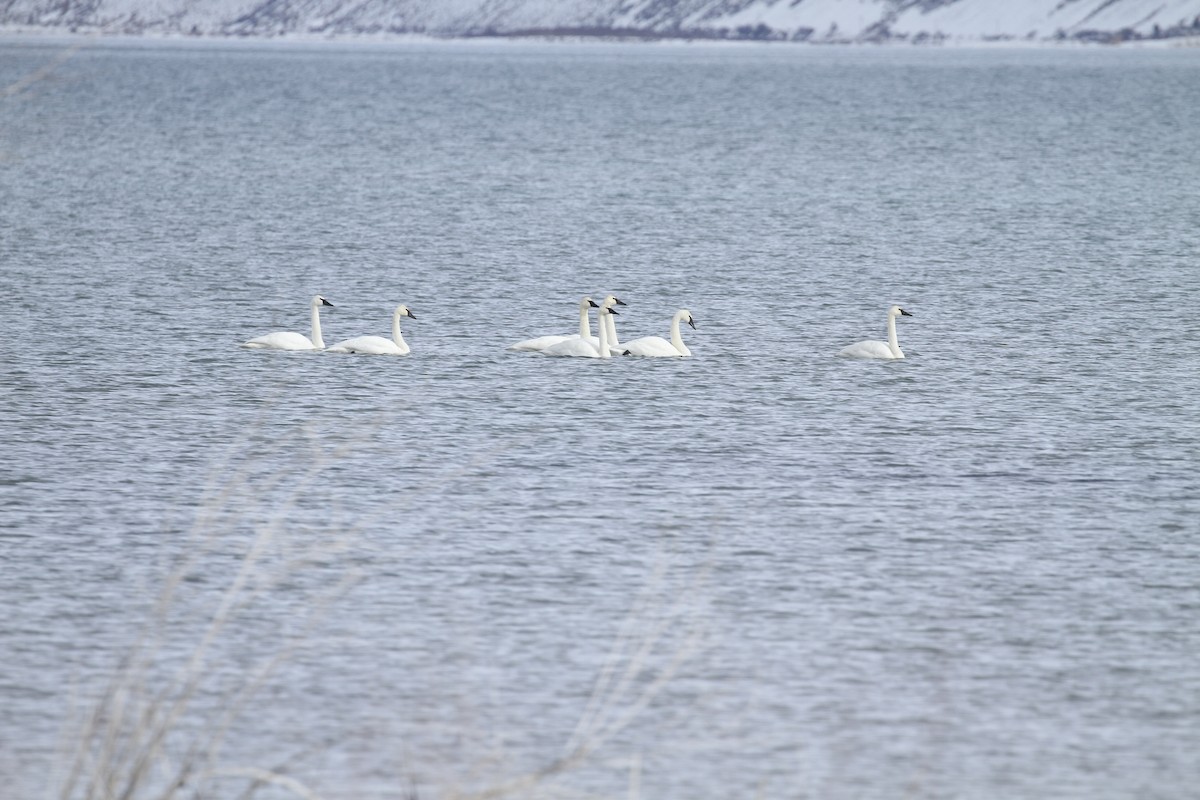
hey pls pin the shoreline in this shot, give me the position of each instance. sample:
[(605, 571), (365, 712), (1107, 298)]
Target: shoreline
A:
[(35, 34)]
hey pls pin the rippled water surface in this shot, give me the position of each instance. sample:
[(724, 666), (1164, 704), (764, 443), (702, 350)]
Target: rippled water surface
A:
[(971, 573)]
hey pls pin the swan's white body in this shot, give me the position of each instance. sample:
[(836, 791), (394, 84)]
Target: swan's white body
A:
[(876, 348), (658, 347), (286, 340), (542, 342), (377, 345), (580, 347)]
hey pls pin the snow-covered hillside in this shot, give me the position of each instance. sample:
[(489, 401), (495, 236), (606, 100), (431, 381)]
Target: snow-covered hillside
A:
[(824, 21)]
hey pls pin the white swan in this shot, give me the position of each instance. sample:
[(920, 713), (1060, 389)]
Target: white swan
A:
[(542, 342), (584, 348), (658, 347), (377, 345), (614, 344), (286, 340), (878, 349)]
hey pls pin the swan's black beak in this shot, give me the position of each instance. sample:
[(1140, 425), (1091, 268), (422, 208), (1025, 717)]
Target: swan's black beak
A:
[(325, 302), (904, 313), (692, 322), (593, 304), (409, 314), (613, 311), (620, 302)]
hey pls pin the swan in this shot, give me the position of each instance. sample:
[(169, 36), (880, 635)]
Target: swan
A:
[(611, 321), (878, 349), (377, 345), (656, 346), (286, 340), (542, 342), (581, 347)]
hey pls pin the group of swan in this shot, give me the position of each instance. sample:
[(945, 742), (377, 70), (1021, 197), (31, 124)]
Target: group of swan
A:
[(540, 343), (367, 345), (580, 345), (584, 345)]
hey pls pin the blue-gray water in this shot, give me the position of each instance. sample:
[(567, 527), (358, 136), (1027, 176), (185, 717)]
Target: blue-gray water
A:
[(974, 573)]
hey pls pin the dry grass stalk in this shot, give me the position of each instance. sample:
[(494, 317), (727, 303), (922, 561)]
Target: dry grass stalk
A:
[(656, 638), (139, 740)]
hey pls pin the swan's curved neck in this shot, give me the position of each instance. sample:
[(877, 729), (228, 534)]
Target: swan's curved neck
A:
[(397, 337), (316, 327), (611, 324), (603, 325), (893, 342), (676, 339), (585, 325)]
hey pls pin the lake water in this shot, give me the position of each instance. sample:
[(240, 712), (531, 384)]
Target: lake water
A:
[(973, 573)]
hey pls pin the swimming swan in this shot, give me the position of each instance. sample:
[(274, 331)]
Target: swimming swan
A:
[(656, 346), (542, 342), (878, 349), (286, 340), (584, 348), (377, 345), (614, 344)]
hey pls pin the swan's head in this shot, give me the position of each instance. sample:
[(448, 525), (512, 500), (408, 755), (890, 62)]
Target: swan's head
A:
[(686, 316), (607, 310), (402, 311), (320, 301), (612, 300), (897, 311), (587, 303)]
